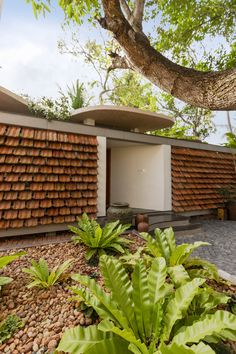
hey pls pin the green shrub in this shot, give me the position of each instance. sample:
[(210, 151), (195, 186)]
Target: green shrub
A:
[(144, 315), (163, 245), (9, 326), (42, 276), (4, 261), (97, 239)]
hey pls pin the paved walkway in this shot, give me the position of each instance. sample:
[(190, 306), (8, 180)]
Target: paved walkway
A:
[(222, 236)]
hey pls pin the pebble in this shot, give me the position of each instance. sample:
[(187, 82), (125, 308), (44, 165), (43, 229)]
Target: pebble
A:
[(52, 344)]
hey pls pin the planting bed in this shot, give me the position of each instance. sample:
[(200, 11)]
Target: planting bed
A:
[(45, 313)]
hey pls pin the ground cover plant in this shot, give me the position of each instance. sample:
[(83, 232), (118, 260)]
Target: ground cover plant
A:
[(8, 326), (4, 261), (146, 315), (99, 240), (42, 276)]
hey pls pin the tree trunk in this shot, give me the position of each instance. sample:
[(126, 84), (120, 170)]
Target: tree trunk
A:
[(212, 90)]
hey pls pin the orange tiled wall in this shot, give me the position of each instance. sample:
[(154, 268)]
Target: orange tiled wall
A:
[(45, 177), (196, 176)]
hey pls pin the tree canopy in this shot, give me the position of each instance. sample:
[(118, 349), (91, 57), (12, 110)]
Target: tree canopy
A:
[(158, 39)]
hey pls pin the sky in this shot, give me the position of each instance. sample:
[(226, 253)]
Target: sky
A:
[(30, 62)]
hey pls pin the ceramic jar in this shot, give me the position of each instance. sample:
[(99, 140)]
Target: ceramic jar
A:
[(120, 211)]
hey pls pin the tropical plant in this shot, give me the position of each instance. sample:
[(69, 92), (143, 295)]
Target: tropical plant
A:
[(42, 276), (4, 261), (142, 314), (163, 244), (77, 95), (231, 140), (97, 239), (9, 326)]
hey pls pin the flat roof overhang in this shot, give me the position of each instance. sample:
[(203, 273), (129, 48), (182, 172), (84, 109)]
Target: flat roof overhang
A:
[(10, 102), (122, 118)]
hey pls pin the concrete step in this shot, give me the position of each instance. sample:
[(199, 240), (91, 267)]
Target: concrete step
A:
[(189, 230)]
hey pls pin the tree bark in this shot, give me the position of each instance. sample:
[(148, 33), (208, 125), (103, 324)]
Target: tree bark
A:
[(212, 90)]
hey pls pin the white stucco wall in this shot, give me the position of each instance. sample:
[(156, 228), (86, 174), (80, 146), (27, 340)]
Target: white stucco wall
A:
[(101, 196), (141, 176)]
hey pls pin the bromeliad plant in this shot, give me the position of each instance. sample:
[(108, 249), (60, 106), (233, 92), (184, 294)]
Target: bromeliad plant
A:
[(144, 315), (97, 239), (42, 276), (4, 261), (163, 245)]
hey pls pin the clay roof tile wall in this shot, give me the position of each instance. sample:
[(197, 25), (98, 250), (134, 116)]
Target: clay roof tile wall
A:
[(196, 176), (45, 177)]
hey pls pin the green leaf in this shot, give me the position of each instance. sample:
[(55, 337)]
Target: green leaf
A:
[(182, 252), (112, 312), (156, 278), (141, 300), (209, 325), (178, 306), (202, 263), (5, 280), (178, 275), (121, 289), (81, 339), (5, 260)]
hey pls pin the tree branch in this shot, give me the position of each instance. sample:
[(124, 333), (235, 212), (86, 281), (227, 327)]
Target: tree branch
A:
[(213, 90), (126, 9), (137, 16), (119, 62)]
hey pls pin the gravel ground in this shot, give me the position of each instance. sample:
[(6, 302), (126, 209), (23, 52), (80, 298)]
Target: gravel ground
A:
[(222, 237), (45, 313)]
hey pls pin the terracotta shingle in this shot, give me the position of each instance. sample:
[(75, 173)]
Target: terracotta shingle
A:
[(58, 203), (13, 131), (3, 129), (18, 204), (43, 174), (4, 205), (27, 133), (47, 203), (37, 213), (24, 214), (11, 178), (39, 195), (5, 186), (76, 211), (58, 219), (15, 224), (196, 176), (32, 204), (10, 214), (26, 195), (45, 220), (31, 222), (26, 142)]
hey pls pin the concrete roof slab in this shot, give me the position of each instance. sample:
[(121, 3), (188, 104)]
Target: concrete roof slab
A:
[(123, 118), (10, 102)]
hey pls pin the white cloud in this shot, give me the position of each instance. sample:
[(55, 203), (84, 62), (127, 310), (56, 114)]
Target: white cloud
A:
[(31, 63)]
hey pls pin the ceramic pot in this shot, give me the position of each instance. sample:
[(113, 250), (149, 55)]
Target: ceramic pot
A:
[(120, 211), (143, 227), (141, 218)]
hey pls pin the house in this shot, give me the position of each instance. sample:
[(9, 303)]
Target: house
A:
[(52, 171)]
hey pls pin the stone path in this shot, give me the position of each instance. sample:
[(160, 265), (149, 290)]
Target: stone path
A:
[(222, 236)]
